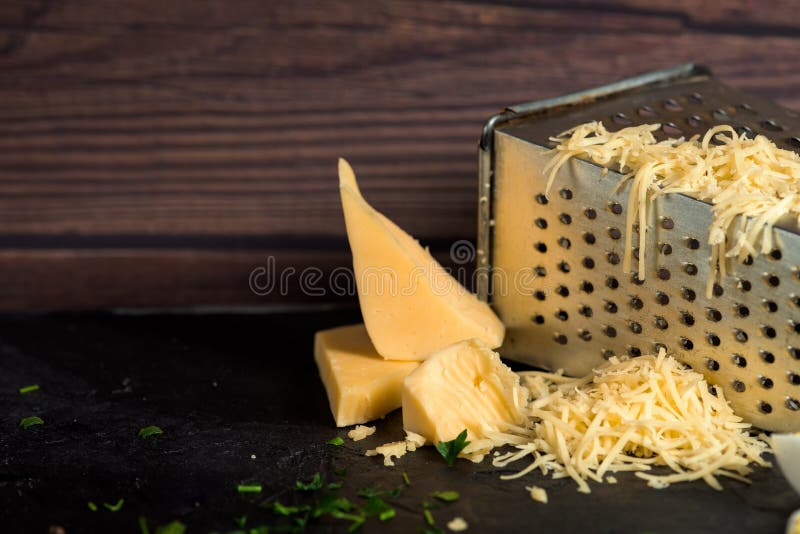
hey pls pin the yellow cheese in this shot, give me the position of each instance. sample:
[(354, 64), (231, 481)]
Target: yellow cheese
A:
[(361, 385), (463, 386), (411, 305)]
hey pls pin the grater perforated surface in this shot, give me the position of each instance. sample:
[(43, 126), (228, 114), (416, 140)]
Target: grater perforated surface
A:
[(580, 307)]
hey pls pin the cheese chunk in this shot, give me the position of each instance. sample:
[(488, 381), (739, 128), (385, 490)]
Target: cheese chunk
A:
[(361, 385), (411, 305), (463, 386)]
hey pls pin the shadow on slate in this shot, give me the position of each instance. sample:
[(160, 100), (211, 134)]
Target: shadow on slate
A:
[(226, 387)]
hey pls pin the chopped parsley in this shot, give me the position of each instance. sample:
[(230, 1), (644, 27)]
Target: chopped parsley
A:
[(446, 496), (337, 441), (314, 485), (92, 506), (450, 449), (335, 485), (372, 491), (428, 517), (406, 480), (116, 507), (29, 389), (175, 527), (149, 431), (249, 488), (33, 420)]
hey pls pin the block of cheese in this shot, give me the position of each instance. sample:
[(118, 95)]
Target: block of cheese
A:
[(361, 385), (463, 386), (410, 304)]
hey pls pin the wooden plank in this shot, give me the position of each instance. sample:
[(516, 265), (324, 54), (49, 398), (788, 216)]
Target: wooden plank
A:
[(195, 127)]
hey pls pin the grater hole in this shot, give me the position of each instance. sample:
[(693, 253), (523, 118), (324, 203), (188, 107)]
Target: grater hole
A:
[(745, 131), (586, 311), (610, 331), (615, 207), (647, 111), (765, 382), (585, 335), (765, 407), (720, 114), (795, 142), (794, 379), (671, 129), (695, 121), (612, 282), (607, 354), (561, 339), (770, 306), (714, 315), (636, 280), (611, 306), (776, 255), (666, 249), (562, 315), (613, 258), (795, 327), (713, 365), (661, 323), (739, 360), (719, 139), (792, 404), (667, 223), (748, 260), (717, 290), (588, 263), (564, 242), (565, 193), (713, 339), (538, 319), (541, 247), (693, 243), (635, 351), (794, 352), (539, 294), (662, 298), (635, 252), (742, 310), (769, 331), (590, 213), (541, 223), (587, 287), (671, 104), (541, 199), (563, 291), (745, 107), (689, 294), (795, 300), (772, 280), (744, 285), (540, 270), (589, 238), (664, 274), (767, 356), (687, 344), (621, 118), (697, 98), (563, 267), (738, 386), (687, 318), (690, 268), (637, 303), (614, 233), (712, 390), (636, 328), (565, 218), (771, 124)]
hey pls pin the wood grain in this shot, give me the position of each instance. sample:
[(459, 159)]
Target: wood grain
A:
[(154, 153)]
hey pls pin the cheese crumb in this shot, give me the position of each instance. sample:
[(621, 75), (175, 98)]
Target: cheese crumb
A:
[(538, 494), (394, 449), (631, 415), (414, 441), (611, 479), (360, 432), (457, 524), (750, 183)]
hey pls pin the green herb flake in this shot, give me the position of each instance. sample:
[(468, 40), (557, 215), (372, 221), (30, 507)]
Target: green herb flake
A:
[(314, 485), (29, 389), (374, 491), (116, 507), (143, 528), (406, 480), (92, 506), (330, 503), (149, 431), (336, 442), (249, 488), (446, 496), (451, 449), (333, 486), (33, 420), (175, 527), (355, 520), (428, 517), (287, 511), (240, 521)]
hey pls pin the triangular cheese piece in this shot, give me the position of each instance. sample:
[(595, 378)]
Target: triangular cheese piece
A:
[(411, 306)]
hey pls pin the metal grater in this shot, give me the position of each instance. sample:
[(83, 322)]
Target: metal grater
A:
[(552, 267)]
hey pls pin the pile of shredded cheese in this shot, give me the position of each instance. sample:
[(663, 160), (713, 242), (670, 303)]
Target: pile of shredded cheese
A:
[(751, 183), (633, 415)]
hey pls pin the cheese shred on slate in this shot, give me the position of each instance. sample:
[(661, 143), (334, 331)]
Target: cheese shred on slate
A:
[(634, 415), (751, 183)]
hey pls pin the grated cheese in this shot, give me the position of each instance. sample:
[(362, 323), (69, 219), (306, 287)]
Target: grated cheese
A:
[(394, 449), (750, 183), (538, 494), (457, 524), (360, 432), (633, 415)]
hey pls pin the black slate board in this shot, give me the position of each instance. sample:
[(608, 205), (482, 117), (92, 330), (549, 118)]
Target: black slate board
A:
[(228, 386)]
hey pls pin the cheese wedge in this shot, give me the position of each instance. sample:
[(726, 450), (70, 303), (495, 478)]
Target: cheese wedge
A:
[(410, 304), (463, 386), (361, 385)]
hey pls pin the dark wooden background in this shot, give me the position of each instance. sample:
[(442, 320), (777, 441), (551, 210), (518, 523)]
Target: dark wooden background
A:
[(153, 153)]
